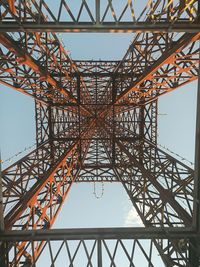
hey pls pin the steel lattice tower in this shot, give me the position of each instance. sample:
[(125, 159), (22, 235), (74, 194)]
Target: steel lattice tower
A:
[(97, 121)]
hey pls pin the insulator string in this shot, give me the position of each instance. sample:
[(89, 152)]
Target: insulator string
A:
[(179, 156), (102, 191), (10, 159)]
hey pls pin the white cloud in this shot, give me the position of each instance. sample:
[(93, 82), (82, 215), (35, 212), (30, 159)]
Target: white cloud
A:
[(132, 219)]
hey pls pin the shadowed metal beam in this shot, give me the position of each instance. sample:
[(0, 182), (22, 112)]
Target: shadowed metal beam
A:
[(99, 233), (194, 258), (100, 27)]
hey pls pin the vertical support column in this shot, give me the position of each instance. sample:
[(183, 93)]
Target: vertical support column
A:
[(3, 254), (141, 122), (42, 124), (113, 120), (1, 202), (97, 12), (99, 252), (96, 99), (49, 110), (50, 123), (195, 255), (79, 116), (196, 216), (3, 257), (141, 130)]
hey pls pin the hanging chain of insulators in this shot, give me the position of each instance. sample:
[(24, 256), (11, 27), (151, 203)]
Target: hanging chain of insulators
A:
[(102, 191), (179, 156), (10, 159)]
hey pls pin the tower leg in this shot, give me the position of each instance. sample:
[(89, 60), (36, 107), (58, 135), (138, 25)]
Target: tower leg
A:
[(194, 251), (3, 255)]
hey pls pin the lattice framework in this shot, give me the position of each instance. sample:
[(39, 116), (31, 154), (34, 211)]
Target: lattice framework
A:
[(97, 121)]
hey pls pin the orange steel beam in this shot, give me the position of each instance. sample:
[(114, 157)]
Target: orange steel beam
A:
[(176, 66), (30, 199), (23, 92), (37, 206), (32, 192), (21, 176), (25, 59), (14, 10), (128, 152), (32, 203), (12, 7), (50, 182), (168, 57), (52, 188)]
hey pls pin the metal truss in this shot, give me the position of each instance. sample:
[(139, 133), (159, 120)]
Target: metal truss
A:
[(160, 189), (100, 247), (99, 16), (96, 121)]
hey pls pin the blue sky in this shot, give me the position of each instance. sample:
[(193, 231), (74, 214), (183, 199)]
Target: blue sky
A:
[(176, 131)]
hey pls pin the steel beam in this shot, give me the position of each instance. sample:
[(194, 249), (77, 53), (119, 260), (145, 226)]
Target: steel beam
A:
[(111, 27), (100, 233), (3, 260), (35, 200), (1, 201), (100, 16), (29, 200), (138, 186), (196, 217), (150, 76), (195, 257), (26, 59), (56, 90), (165, 194)]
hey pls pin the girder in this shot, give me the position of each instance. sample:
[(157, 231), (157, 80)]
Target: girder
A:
[(171, 61), (159, 63), (98, 233), (37, 185), (125, 237), (113, 27), (164, 189), (154, 172), (35, 56), (103, 247), (99, 16), (164, 64)]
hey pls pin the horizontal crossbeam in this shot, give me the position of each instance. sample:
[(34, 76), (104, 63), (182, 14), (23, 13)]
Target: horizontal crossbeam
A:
[(99, 16), (98, 233), (117, 27)]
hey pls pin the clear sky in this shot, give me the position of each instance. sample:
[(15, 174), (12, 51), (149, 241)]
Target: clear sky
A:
[(176, 131)]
